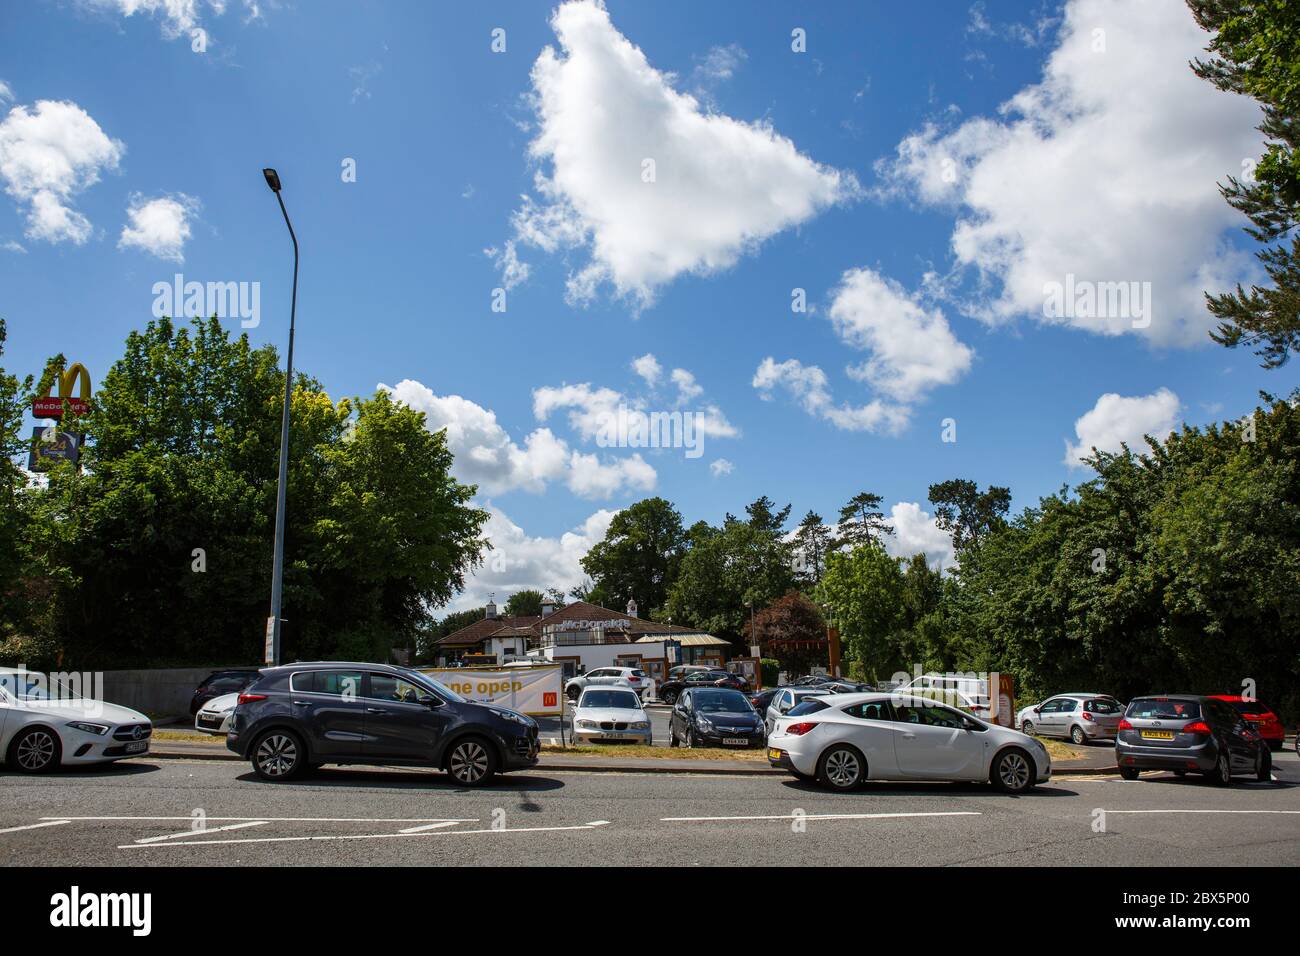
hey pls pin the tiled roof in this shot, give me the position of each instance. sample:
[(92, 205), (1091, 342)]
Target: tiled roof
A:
[(532, 626)]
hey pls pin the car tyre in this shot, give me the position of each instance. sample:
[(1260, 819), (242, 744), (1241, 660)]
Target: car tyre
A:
[(35, 750), (1129, 773), (841, 768), (1180, 773), (1221, 775), (1027, 728), (472, 762), (1013, 771), (1264, 765), (669, 697), (279, 755), (1078, 737), (692, 739), (573, 693), (672, 738)]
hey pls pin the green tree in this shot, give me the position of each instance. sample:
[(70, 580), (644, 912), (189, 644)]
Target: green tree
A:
[(526, 603), (14, 394), (765, 516), (812, 542), (792, 630), (966, 513), (862, 590), (862, 521), (1255, 50), (638, 557)]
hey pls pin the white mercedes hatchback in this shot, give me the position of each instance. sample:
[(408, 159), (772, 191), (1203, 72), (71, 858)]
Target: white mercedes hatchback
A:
[(40, 731), (845, 739)]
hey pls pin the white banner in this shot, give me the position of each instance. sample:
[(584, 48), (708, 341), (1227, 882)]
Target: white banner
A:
[(529, 690)]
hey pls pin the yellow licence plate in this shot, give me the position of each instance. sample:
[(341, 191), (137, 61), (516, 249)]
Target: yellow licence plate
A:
[(1158, 734), (773, 754)]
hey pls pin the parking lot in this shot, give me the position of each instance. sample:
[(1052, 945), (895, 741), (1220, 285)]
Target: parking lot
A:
[(180, 812)]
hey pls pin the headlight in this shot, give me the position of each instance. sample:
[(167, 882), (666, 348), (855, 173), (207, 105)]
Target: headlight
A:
[(511, 716), (704, 724), (98, 729), (640, 724), (587, 723)]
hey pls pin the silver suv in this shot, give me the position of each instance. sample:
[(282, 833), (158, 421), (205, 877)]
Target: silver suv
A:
[(1078, 717)]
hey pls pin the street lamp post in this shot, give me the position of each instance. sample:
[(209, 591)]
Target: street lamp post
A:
[(277, 568)]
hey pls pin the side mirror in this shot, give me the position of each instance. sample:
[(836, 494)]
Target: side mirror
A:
[(1038, 709), (428, 700)]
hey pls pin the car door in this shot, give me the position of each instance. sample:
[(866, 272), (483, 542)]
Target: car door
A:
[(1066, 710), (1045, 722), (328, 703), (398, 726), (931, 741), (681, 716), (1232, 729), (778, 707)]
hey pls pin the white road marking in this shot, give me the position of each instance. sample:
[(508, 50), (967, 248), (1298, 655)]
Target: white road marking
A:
[(825, 816), (429, 826), (1284, 812), (49, 822), (598, 823), (349, 836), (194, 833), (282, 819)]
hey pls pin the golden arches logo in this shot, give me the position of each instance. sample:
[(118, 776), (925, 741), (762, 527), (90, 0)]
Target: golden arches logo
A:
[(74, 374), (50, 406)]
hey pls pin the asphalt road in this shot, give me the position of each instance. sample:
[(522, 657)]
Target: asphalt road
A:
[(141, 812)]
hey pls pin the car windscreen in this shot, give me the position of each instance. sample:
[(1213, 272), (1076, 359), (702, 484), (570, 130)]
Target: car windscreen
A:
[(1157, 709), (436, 685), (719, 701), (610, 698), (1102, 705), (809, 705)]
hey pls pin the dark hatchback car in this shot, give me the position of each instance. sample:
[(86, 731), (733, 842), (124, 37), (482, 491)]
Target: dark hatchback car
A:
[(714, 717), (670, 690), (1189, 734), (220, 683), (300, 716)]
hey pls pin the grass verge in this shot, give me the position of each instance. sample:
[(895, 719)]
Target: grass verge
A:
[(639, 751)]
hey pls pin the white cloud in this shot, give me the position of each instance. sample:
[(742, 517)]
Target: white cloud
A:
[(159, 226), (687, 388), (6, 92), (913, 349), (48, 154), (1117, 420), (518, 561), (916, 533), (177, 17), (721, 467), (721, 186), (16, 247), (513, 272), (1104, 170), (808, 385), (486, 455), (648, 367)]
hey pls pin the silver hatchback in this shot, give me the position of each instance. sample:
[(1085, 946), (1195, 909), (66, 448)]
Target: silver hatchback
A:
[(1076, 717)]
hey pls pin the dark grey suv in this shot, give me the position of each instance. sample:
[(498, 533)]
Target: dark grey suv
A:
[(300, 716), (1188, 733)]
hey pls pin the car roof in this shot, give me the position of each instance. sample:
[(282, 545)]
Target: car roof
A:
[(1170, 697)]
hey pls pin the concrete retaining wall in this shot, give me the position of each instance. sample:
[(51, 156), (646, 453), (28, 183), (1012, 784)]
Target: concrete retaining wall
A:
[(161, 692)]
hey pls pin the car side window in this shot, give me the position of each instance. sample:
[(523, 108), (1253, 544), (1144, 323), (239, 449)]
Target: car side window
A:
[(1067, 706), (336, 683), (871, 710), (1051, 707), (391, 687), (941, 717)]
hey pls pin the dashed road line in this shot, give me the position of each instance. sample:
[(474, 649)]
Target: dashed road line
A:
[(47, 822), (355, 836), (194, 833), (824, 816)]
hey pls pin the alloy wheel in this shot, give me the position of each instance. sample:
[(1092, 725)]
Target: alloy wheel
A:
[(469, 762), (1027, 727), (277, 755), (842, 768), (35, 751), (1013, 771), (1077, 736)]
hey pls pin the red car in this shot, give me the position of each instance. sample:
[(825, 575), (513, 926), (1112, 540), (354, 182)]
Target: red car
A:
[(1263, 720)]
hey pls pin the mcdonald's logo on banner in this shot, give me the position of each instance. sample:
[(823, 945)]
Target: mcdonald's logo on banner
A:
[(51, 406)]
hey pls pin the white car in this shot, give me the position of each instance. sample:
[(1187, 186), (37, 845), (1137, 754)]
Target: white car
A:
[(632, 677), (785, 699), (845, 739), (215, 716), (611, 714), (40, 730)]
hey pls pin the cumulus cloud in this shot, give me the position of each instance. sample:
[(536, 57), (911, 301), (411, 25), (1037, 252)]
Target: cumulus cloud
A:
[(808, 386), (648, 367), (916, 533), (720, 467), (513, 272), (177, 18), (159, 226), (1118, 420), (720, 186), (1105, 170), (486, 455), (521, 561), (6, 92), (912, 348), (48, 154)]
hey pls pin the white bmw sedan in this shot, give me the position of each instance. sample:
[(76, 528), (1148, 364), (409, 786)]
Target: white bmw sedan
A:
[(40, 731), (845, 739), (611, 714)]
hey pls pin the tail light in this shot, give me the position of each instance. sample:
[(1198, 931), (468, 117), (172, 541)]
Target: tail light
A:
[(1197, 727), (1086, 715), (798, 730), (1124, 724), (249, 698)]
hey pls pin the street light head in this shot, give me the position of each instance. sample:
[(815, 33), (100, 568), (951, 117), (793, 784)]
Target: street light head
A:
[(272, 179)]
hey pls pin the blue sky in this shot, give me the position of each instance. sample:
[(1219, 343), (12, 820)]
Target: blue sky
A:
[(879, 169)]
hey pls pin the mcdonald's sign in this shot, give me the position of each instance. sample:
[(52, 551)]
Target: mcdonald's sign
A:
[(51, 406)]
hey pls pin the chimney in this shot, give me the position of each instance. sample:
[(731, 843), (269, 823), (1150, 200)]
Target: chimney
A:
[(631, 607), (491, 610), (548, 609)]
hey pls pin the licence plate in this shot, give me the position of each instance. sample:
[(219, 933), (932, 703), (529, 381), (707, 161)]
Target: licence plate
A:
[(137, 747), (617, 737), (736, 741), (1158, 734), (773, 753)]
